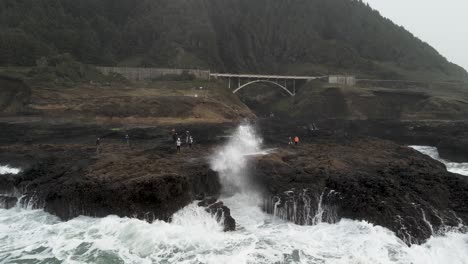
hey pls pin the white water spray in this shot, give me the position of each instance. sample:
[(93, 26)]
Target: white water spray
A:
[(8, 170), (231, 160)]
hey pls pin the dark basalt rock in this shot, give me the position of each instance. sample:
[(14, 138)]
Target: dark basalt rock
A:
[(451, 138), (7, 202), (363, 179), (220, 211), (303, 207), (63, 174), (69, 181)]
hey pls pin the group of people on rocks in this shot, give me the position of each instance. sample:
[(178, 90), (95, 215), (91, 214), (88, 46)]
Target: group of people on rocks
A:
[(175, 136), (188, 140), (178, 141), (295, 142)]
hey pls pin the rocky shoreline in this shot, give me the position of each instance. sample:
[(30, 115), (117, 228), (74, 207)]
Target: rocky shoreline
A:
[(450, 137), (148, 180), (364, 179), (332, 174)]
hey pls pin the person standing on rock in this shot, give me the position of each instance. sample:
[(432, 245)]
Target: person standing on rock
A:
[(290, 141), (178, 143), (127, 139), (98, 145), (296, 140), (190, 141)]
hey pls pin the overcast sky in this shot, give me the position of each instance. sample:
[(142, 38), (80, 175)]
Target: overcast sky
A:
[(442, 24)]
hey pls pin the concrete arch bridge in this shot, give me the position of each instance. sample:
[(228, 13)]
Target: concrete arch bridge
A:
[(284, 82)]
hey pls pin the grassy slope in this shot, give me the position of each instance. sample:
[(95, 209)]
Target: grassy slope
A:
[(73, 92), (172, 102), (163, 102)]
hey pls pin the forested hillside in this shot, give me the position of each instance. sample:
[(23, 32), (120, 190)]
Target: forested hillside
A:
[(289, 36)]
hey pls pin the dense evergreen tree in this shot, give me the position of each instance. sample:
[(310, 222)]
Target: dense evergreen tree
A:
[(301, 36)]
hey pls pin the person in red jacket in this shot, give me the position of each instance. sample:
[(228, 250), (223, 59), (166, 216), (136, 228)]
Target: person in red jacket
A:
[(296, 140)]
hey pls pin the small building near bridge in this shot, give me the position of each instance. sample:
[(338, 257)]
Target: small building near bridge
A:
[(346, 80)]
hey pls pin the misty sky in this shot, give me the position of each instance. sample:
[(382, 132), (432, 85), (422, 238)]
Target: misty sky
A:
[(442, 24)]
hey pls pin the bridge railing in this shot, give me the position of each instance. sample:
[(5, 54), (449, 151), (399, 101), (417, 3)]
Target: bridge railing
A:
[(262, 76)]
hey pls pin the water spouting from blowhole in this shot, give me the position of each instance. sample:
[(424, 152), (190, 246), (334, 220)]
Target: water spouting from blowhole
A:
[(231, 160)]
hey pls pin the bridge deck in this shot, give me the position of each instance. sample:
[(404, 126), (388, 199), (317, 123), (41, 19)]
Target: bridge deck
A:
[(257, 76)]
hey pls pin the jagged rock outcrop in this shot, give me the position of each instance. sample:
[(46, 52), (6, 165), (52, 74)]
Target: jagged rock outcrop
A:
[(221, 212), (363, 179), (145, 181)]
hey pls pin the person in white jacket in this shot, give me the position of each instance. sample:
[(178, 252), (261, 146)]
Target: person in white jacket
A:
[(178, 143), (190, 141)]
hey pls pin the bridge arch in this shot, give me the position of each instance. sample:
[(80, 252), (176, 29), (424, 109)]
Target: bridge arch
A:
[(263, 81)]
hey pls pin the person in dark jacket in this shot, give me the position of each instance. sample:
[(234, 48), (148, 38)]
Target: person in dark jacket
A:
[(127, 139), (98, 145)]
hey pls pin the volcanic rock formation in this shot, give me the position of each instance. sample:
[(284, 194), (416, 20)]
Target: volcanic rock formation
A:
[(363, 179)]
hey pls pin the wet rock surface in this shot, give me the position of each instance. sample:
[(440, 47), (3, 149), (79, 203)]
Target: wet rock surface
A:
[(363, 179), (148, 179), (220, 211), (7, 202), (450, 137)]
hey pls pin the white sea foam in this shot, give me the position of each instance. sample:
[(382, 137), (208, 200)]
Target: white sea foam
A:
[(460, 168), (8, 170), (195, 237)]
